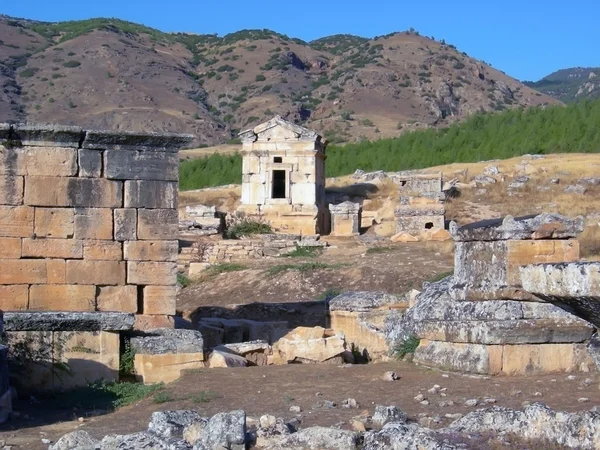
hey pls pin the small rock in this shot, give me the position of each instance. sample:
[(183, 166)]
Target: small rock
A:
[(433, 390), (471, 402), (295, 409), (46, 441), (583, 400), (538, 394), (357, 425), (571, 377), (385, 414), (81, 420), (349, 403), (424, 402), (267, 421), (419, 398), (454, 416), (525, 404), (489, 400), (390, 376), (445, 375), (588, 381)]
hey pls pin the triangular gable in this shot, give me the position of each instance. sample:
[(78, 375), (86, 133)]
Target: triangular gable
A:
[(278, 129)]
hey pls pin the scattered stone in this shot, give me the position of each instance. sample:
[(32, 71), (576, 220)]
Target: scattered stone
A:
[(76, 440), (484, 180), (349, 403), (419, 398), (385, 414), (471, 402), (318, 438), (571, 377), (172, 423), (390, 376), (267, 421), (434, 390), (193, 432), (583, 400), (453, 416), (491, 170), (424, 402), (575, 189), (295, 409), (357, 425), (538, 394), (225, 430), (554, 180)]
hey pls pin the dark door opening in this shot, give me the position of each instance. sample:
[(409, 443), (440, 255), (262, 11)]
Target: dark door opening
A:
[(278, 184), (429, 225)]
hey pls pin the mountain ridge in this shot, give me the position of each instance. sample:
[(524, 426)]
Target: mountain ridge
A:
[(570, 84), (114, 74)]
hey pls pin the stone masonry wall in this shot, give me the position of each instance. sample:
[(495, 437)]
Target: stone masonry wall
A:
[(88, 221)]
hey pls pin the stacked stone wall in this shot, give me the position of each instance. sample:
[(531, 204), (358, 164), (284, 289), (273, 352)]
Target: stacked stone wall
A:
[(88, 220)]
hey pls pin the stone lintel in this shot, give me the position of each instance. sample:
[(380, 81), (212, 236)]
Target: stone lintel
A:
[(167, 340), (543, 226), (345, 208), (47, 135), (421, 210), (68, 321), (131, 140)]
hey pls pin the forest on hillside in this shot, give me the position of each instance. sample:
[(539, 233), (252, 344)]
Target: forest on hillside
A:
[(553, 129)]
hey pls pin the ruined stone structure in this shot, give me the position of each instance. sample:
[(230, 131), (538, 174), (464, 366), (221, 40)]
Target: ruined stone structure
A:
[(345, 219), (477, 321), (283, 180), (88, 225), (421, 211), (200, 220)]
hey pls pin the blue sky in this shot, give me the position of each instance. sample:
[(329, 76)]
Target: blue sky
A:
[(527, 39)]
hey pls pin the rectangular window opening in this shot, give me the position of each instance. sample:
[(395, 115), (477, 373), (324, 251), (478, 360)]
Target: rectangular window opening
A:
[(278, 185), (277, 159)]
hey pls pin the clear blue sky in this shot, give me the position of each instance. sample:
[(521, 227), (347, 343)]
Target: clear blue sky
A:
[(527, 38)]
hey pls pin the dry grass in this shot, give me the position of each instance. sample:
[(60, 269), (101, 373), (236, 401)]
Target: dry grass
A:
[(225, 199), (589, 243)]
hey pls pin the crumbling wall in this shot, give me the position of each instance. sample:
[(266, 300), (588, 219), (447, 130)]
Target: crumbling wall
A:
[(88, 224)]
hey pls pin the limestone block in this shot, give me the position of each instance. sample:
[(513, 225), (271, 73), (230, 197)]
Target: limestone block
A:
[(303, 193), (39, 161), (68, 321), (160, 300), (157, 224), (117, 298), (77, 192), (23, 271), (96, 272), (102, 251), (47, 135), (93, 223), (90, 163), (11, 190), (54, 222), (131, 165), (151, 194), (308, 344), (52, 248), (125, 228), (521, 253), (151, 250), (57, 271), (135, 141), (546, 358), (14, 298), (16, 221), (144, 322), (10, 248), (165, 368), (220, 358), (472, 358), (152, 273), (358, 333), (62, 297)]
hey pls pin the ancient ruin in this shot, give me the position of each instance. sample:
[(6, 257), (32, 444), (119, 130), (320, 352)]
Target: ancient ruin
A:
[(420, 214), (345, 219), (283, 179), (88, 240)]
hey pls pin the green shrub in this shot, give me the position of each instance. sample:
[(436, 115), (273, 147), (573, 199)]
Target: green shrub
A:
[(71, 64), (28, 73), (403, 348), (204, 396), (162, 397), (303, 267), (260, 77), (247, 228), (304, 252), (127, 357), (183, 280)]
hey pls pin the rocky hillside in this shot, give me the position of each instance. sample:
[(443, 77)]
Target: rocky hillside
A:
[(569, 85), (107, 73)]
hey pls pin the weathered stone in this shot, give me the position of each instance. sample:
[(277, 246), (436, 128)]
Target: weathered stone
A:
[(10, 248), (11, 190), (151, 194), (145, 322), (64, 297), (165, 367), (90, 163), (102, 251), (318, 438), (167, 340), (362, 301), (224, 358), (160, 300), (52, 248), (157, 224), (39, 161), (142, 441), (23, 271), (151, 273), (96, 272), (151, 250), (16, 221), (117, 298), (543, 226), (172, 423), (14, 298), (193, 432), (93, 223), (47, 135), (76, 440), (385, 414), (224, 430), (77, 192), (135, 141), (125, 228), (472, 358), (401, 436), (56, 271), (308, 344), (55, 223), (161, 166), (67, 321)]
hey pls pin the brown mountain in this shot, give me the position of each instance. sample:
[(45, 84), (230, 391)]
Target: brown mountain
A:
[(107, 73)]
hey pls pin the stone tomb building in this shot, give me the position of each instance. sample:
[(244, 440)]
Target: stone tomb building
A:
[(88, 243), (283, 177), (421, 210)]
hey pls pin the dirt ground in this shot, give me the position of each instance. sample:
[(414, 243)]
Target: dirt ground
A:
[(273, 389), (395, 268)]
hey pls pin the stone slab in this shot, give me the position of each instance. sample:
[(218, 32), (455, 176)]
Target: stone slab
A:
[(102, 251), (10, 248), (122, 165), (160, 300), (125, 226), (16, 221), (151, 194), (117, 298), (62, 297), (56, 223), (11, 190), (152, 273), (76, 192), (39, 161), (47, 135), (52, 248), (14, 298), (132, 140), (68, 321), (165, 368), (93, 223), (157, 224), (96, 272), (90, 163), (151, 250), (23, 271)]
